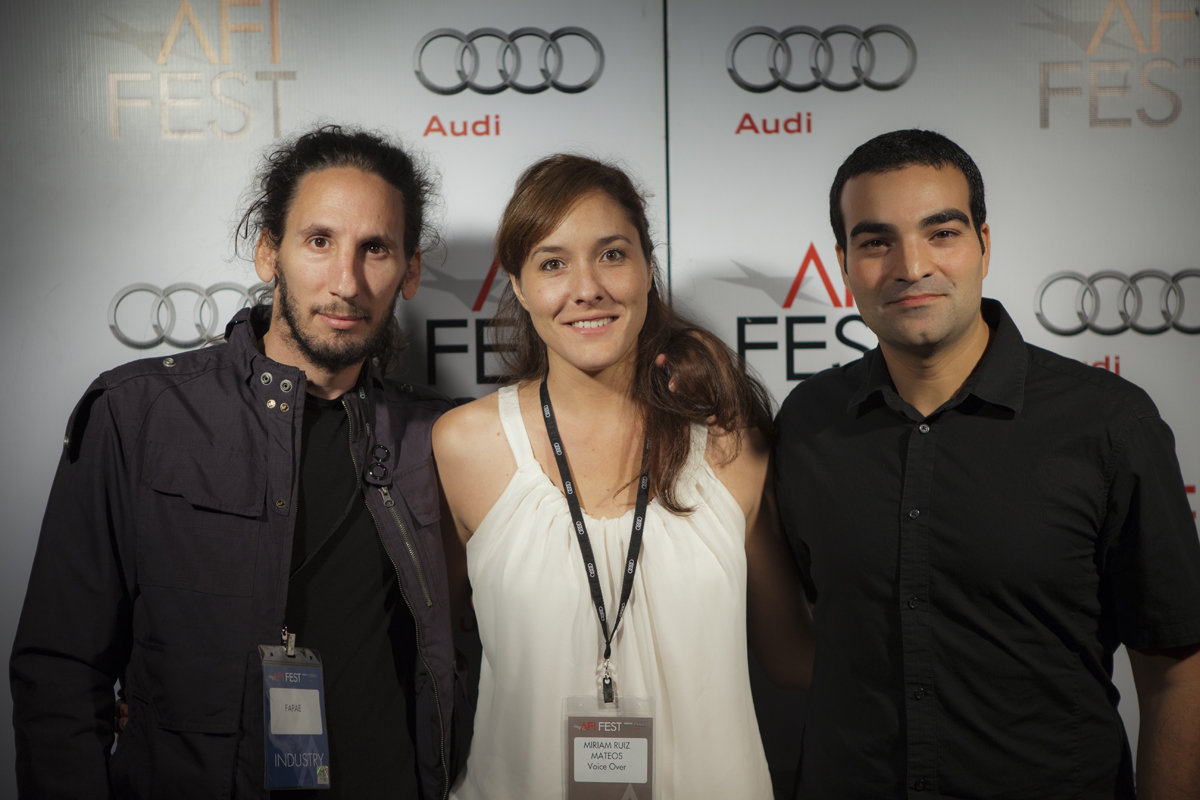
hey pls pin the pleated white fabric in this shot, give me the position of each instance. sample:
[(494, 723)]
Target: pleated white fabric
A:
[(682, 640)]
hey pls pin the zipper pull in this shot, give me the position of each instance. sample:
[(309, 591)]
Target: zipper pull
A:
[(387, 497)]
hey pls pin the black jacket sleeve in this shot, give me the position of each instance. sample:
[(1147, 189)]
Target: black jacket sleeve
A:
[(73, 638)]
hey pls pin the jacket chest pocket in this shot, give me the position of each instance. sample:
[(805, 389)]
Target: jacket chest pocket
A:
[(201, 515)]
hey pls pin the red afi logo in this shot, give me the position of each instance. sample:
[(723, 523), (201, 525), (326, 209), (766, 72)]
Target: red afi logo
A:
[(811, 258)]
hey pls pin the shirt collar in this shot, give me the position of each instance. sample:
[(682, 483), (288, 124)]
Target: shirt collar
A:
[(998, 378)]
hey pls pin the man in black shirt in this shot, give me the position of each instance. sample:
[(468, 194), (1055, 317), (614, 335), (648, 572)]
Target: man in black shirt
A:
[(980, 523), (213, 503)]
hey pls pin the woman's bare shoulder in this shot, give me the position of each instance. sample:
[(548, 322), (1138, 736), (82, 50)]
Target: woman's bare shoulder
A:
[(470, 434), (740, 460), (474, 460), (467, 422)]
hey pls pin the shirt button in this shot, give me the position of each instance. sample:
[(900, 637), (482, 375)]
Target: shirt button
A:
[(271, 403), (914, 601), (281, 504), (920, 693), (285, 385), (920, 785), (266, 378), (923, 427), (914, 513)]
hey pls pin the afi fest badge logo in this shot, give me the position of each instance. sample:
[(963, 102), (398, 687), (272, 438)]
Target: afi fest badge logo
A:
[(1134, 62), (194, 79), (806, 336)]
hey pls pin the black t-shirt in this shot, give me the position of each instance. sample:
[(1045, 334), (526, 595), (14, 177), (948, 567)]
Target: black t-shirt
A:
[(344, 601)]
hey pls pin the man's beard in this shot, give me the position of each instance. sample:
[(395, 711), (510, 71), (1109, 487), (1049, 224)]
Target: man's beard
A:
[(344, 350)]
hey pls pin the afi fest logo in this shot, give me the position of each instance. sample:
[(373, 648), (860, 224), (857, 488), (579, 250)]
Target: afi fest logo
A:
[(194, 90), (1135, 60), (802, 333), (444, 336)]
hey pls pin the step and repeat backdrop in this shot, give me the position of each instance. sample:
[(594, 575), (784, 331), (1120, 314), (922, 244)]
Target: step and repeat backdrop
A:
[(132, 129)]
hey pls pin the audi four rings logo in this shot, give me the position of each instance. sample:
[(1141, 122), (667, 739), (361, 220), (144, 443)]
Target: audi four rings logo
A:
[(821, 59), (155, 324), (1131, 296), (466, 61)]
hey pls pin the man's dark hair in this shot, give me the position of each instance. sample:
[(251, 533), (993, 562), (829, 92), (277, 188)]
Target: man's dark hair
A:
[(335, 146), (275, 186), (899, 149)]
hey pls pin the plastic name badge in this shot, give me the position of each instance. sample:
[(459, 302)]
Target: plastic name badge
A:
[(296, 746), (609, 753)]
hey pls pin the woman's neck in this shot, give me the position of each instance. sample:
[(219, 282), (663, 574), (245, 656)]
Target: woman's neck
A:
[(606, 393)]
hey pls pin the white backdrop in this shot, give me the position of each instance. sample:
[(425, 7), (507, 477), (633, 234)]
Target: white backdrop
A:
[(132, 128)]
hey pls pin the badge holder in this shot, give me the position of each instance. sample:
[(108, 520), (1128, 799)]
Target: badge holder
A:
[(297, 748), (609, 752)]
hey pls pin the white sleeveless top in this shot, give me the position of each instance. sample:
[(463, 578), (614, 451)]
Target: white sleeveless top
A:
[(682, 639)]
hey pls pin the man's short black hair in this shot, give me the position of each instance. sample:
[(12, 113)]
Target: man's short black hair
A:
[(899, 149)]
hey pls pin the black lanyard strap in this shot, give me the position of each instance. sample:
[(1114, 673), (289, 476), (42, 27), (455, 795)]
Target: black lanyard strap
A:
[(585, 544)]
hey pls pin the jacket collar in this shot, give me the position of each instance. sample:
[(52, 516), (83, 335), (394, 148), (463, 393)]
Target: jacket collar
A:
[(244, 332)]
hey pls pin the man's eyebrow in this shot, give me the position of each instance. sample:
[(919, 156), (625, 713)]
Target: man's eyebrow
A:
[(316, 229), (383, 239), (871, 226), (320, 229), (944, 216)]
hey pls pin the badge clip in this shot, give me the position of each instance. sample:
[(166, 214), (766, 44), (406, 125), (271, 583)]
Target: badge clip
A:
[(606, 682)]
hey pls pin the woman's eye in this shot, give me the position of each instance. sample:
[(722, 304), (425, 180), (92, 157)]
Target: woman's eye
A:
[(551, 264)]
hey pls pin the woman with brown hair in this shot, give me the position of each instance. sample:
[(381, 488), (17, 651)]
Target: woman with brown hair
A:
[(611, 500)]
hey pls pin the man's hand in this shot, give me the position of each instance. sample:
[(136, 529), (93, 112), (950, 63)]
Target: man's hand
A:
[(660, 361)]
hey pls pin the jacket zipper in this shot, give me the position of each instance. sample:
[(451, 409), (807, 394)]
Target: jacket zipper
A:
[(390, 503)]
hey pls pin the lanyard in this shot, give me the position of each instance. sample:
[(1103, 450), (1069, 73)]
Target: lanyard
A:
[(585, 544)]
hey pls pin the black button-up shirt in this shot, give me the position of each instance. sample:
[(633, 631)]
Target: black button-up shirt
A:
[(974, 570)]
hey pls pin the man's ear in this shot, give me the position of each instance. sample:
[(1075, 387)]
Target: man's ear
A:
[(265, 256), (412, 277), (985, 239)]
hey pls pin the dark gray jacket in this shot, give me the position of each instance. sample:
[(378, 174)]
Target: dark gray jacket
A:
[(163, 562)]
